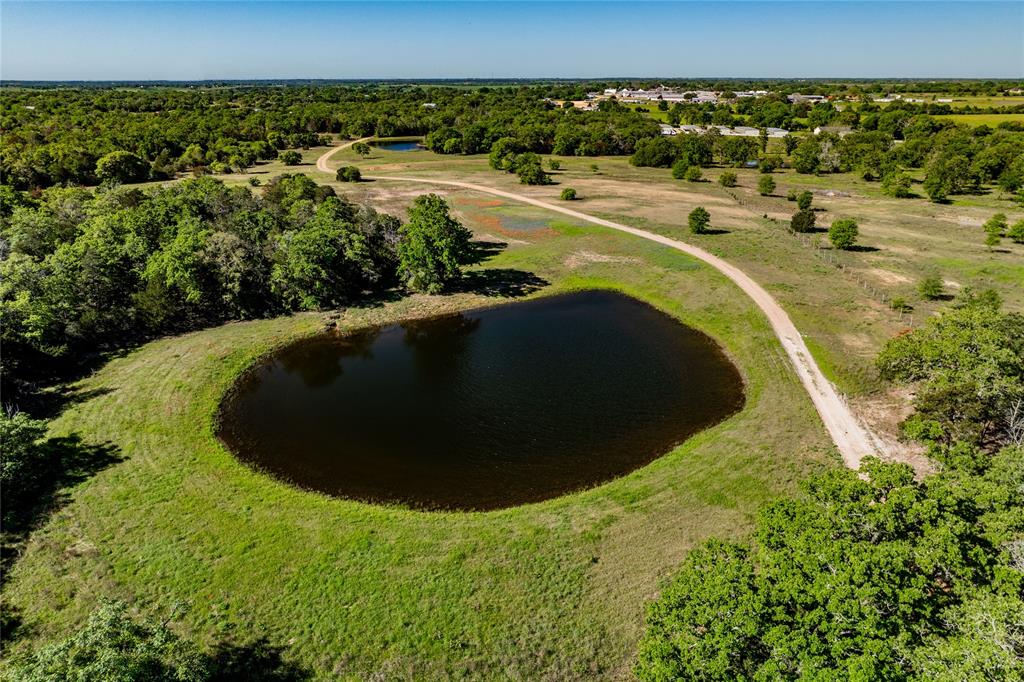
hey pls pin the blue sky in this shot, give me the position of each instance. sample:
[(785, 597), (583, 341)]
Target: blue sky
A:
[(204, 40)]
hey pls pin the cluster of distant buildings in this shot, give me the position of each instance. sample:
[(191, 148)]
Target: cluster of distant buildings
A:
[(727, 131), (670, 95), (674, 96)]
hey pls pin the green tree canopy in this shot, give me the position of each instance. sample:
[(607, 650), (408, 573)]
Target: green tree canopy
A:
[(432, 246)]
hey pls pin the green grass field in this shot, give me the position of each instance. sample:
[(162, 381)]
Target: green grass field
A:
[(983, 119), (546, 591)]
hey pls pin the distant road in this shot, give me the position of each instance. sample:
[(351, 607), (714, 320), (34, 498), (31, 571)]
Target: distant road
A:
[(852, 439)]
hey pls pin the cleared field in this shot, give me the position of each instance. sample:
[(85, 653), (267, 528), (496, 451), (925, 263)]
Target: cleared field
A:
[(983, 119), (547, 591)]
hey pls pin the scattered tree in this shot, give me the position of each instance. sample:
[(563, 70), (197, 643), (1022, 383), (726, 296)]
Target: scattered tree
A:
[(727, 179), (843, 233), (699, 220), (931, 288), (803, 221), (432, 246), (348, 174), (803, 200), (1016, 232), (766, 185), (554, 164), (896, 184), (568, 194), (807, 156), (361, 148), (290, 157)]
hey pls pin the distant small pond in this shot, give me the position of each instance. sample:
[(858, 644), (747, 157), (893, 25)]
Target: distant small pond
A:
[(400, 146), (485, 409)]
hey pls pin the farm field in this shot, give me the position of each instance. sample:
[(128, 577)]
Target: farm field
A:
[(991, 120)]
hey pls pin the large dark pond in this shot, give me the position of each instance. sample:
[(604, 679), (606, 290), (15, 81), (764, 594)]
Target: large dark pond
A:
[(487, 409)]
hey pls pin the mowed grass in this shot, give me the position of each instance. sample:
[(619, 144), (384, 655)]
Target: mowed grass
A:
[(553, 590)]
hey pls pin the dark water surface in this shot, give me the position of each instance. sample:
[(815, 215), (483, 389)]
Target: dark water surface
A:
[(486, 409), (401, 146)]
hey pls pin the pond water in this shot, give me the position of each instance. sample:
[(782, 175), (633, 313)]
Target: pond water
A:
[(400, 146), (482, 410)]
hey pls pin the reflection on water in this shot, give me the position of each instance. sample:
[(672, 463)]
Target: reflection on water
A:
[(486, 409)]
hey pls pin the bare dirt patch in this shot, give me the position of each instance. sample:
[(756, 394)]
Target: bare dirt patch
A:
[(888, 276), (580, 258)]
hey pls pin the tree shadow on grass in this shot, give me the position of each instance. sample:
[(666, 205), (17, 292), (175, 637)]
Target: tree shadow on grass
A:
[(66, 462), (483, 251), (716, 230), (505, 282), (860, 248), (258, 661)]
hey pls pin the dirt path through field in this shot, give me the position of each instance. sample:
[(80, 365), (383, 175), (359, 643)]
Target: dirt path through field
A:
[(852, 439), (321, 163)]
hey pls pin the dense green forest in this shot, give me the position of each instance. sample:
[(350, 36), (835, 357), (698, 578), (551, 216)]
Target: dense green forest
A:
[(84, 271), (85, 136)]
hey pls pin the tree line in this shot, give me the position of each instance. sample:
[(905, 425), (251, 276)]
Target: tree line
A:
[(84, 271)]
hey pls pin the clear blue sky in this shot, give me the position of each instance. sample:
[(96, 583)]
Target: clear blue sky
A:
[(201, 40)]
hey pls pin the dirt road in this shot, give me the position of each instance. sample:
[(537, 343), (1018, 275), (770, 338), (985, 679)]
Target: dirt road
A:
[(321, 163), (852, 439)]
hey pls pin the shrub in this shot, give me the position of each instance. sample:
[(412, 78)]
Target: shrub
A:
[(679, 169), (766, 185), (694, 174), (554, 164), (899, 303), (568, 194), (528, 168), (996, 225), (727, 179), (843, 233), (348, 174), (896, 184), (594, 168), (802, 221), (931, 287), (255, 182), (1016, 232), (290, 158), (699, 220), (111, 645), (767, 164), (803, 200), (791, 195)]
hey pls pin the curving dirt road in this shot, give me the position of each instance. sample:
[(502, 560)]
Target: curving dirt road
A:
[(321, 163), (852, 439)]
